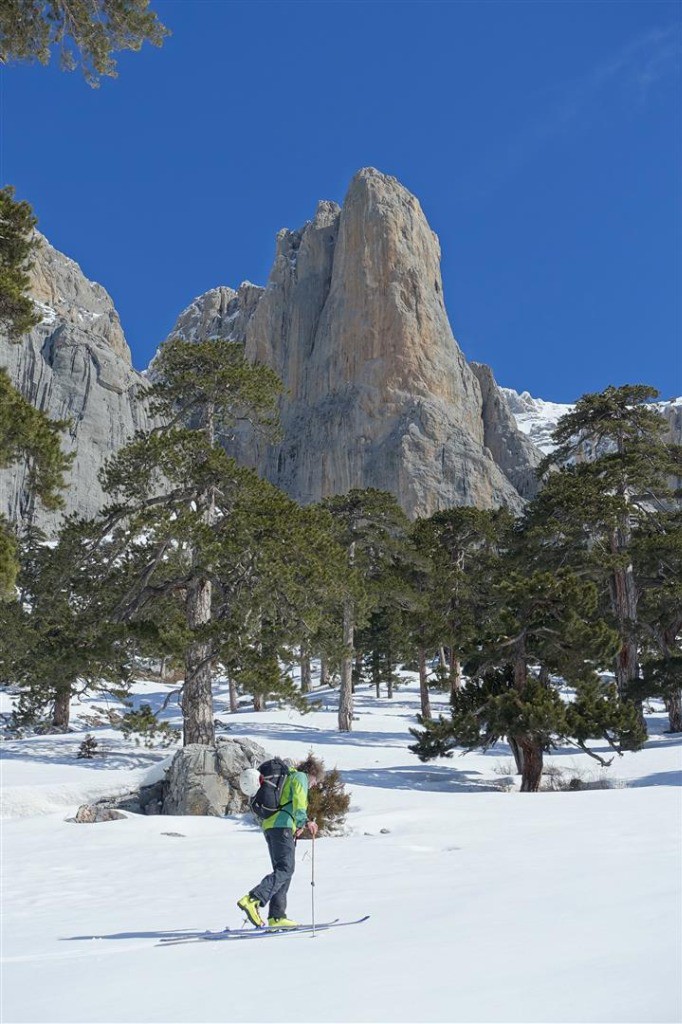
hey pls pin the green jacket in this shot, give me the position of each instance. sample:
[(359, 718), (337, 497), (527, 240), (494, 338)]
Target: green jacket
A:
[(293, 807)]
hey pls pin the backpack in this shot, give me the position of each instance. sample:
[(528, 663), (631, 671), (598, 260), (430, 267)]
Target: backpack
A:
[(273, 775)]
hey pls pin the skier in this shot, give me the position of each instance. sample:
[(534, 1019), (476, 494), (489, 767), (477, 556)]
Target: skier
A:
[(282, 829)]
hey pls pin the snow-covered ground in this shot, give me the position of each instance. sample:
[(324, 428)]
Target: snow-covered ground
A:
[(486, 904)]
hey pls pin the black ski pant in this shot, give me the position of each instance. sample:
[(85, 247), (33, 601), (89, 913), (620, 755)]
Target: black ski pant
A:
[(274, 887)]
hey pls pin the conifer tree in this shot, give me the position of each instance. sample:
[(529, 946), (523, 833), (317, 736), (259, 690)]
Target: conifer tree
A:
[(458, 543), (657, 563), (370, 526), (616, 468), (58, 638), (176, 489), (218, 562), (539, 626), (18, 242), (86, 33), (26, 433)]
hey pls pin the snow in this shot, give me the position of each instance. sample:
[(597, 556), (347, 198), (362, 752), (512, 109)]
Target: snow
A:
[(538, 419), (486, 905)]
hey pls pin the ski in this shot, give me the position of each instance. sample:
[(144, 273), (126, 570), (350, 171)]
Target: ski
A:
[(234, 934)]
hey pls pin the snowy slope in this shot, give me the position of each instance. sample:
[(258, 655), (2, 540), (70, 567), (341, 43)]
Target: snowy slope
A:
[(486, 905), (537, 418)]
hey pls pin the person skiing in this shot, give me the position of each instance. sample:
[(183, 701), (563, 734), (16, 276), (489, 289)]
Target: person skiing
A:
[(281, 830)]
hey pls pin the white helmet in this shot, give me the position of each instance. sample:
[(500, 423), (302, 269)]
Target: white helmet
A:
[(249, 781)]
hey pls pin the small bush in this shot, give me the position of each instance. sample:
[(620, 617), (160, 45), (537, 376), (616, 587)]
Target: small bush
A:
[(328, 802), (88, 747)]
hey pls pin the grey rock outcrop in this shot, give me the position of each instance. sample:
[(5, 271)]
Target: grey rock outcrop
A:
[(205, 779), (513, 452), (378, 393), (74, 365), (219, 313), (88, 814)]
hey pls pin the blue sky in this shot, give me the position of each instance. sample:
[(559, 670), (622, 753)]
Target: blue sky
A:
[(542, 139)]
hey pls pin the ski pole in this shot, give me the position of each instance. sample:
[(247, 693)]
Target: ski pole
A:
[(312, 885)]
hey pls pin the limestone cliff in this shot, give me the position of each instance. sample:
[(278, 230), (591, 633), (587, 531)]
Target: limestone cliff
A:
[(378, 392), (74, 365), (352, 319)]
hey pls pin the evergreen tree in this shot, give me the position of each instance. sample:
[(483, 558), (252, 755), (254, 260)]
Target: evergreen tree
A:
[(86, 33), (217, 562), (18, 242), (370, 526), (458, 544), (26, 433), (539, 626), (616, 470), (657, 563), (58, 638)]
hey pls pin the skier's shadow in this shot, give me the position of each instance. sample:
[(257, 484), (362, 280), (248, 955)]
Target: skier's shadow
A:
[(179, 933)]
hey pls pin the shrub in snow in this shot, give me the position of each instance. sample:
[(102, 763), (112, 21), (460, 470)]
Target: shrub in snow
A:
[(328, 802), (88, 747)]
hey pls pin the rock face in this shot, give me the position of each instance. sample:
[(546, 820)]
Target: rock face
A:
[(378, 393), (74, 365), (205, 780), (513, 452)]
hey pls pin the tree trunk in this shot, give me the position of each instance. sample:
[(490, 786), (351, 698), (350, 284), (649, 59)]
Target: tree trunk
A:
[(346, 689), (258, 702), (441, 658), (517, 753), (423, 687), (455, 672), (234, 703), (624, 602), (390, 680), (197, 693), (61, 711), (306, 677), (674, 707), (324, 671), (357, 669), (531, 775)]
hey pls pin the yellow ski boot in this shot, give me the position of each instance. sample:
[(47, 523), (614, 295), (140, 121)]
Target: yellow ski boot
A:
[(281, 922), (251, 908)]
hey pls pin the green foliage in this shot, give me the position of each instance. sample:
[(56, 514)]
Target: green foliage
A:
[(209, 384), (27, 433), (58, 638), (9, 565), (328, 802), (18, 314), (458, 549), (88, 748), (86, 33), (185, 517), (144, 728)]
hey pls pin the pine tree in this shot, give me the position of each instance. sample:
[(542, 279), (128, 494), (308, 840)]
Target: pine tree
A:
[(18, 242), (539, 626), (616, 470), (370, 526), (218, 564), (26, 433), (86, 33), (457, 544), (59, 640), (657, 564)]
